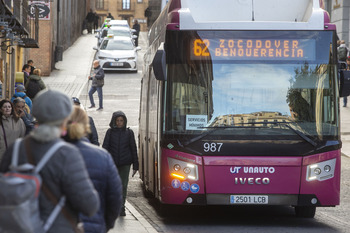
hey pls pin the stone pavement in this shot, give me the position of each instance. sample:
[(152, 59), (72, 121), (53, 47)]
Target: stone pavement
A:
[(70, 77)]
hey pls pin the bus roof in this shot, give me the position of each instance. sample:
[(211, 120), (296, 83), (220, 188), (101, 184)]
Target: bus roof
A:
[(247, 15)]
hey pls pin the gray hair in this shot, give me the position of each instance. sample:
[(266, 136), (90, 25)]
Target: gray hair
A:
[(18, 100)]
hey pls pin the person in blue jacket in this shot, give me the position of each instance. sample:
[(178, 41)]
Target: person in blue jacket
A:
[(102, 171), (20, 92), (120, 142)]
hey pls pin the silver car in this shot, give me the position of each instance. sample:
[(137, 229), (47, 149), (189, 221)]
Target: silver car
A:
[(116, 31), (117, 53)]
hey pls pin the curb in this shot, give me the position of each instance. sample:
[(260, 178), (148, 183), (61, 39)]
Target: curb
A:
[(148, 227)]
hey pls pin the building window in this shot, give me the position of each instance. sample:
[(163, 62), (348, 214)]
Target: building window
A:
[(126, 4), (99, 4)]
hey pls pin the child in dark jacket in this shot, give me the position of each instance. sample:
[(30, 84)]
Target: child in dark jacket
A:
[(120, 142)]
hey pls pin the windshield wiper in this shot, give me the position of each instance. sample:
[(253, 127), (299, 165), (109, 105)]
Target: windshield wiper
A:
[(298, 132)]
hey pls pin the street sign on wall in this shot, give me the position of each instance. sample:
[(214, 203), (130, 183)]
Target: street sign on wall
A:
[(43, 7)]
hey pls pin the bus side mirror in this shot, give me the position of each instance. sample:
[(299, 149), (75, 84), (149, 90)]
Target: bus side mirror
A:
[(159, 65), (344, 87)]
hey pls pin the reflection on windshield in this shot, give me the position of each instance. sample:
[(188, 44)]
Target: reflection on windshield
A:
[(116, 45), (203, 93)]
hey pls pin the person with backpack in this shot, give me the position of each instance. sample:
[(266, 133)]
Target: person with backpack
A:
[(21, 92), (120, 142), (64, 176), (34, 84), (102, 171), (342, 51)]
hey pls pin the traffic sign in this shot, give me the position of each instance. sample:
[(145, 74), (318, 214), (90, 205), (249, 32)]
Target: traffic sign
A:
[(43, 7)]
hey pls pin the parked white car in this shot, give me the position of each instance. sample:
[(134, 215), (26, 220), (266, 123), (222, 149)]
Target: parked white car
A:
[(117, 53)]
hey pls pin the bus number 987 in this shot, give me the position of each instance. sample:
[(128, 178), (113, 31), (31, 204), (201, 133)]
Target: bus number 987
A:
[(212, 147)]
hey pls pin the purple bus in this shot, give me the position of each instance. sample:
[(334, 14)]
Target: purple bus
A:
[(240, 105)]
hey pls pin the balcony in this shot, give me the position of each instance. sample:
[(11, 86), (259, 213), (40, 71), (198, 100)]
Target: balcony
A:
[(17, 23)]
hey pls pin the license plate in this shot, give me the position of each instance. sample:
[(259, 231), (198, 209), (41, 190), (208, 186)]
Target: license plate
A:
[(117, 64), (249, 199)]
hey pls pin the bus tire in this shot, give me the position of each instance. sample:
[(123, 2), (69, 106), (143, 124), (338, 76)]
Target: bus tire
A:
[(305, 211)]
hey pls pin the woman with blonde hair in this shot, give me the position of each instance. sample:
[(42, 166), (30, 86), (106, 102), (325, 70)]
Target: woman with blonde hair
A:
[(34, 84), (102, 171)]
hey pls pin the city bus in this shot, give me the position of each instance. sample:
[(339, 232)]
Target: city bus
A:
[(240, 105)]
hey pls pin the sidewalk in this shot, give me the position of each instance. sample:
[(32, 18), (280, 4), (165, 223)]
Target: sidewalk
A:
[(70, 77)]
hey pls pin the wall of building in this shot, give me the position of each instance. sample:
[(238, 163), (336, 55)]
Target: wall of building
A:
[(58, 32), (339, 11)]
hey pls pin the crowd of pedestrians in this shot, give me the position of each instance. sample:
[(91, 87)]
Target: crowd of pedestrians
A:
[(93, 179)]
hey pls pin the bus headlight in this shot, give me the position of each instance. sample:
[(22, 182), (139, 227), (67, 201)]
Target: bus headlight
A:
[(189, 171), (321, 171)]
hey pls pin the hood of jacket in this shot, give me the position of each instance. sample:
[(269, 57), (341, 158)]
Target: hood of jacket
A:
[(34, 77), (114, 117), (19, 94)]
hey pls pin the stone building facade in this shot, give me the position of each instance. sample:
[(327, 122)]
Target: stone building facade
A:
[(339, 11), (122, 9), (60, 26)]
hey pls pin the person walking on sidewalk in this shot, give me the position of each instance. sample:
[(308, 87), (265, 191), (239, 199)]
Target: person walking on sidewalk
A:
[(12, 126), (21, 92), (97, 84), (120, 142), (92, 136), (34, 84), (102, 171), (20, 107), (65, 173)]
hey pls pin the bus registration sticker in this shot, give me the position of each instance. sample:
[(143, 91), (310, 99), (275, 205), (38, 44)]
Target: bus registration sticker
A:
[(249, 199)]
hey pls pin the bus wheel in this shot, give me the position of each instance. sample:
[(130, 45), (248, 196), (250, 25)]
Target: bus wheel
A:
[(305, 211)]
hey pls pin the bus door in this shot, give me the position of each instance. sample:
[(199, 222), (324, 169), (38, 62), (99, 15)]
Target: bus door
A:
[(152, 133)]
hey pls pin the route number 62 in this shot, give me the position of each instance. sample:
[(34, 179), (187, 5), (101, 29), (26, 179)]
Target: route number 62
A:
[(212, 147)]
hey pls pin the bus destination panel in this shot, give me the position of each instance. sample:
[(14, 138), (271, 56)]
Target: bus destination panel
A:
[(256, 49)]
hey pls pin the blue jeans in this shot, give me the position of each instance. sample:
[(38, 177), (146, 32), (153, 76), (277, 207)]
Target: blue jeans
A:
[(100, 97)]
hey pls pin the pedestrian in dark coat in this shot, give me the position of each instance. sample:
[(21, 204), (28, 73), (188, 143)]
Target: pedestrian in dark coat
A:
[(136, 26), (92, 136), (65, 173), (120, 142), (102, 172)]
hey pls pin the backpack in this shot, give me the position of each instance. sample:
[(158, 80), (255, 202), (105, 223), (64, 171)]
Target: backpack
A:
[(19, 195), (33, 87), (342, 53)]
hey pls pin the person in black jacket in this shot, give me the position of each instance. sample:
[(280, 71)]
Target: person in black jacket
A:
[(136, 26), (120, 142), (102, 171), (92, 136)]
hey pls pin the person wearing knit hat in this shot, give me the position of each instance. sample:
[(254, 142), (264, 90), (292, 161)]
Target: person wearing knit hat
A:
[(65, 173), (51, 107)]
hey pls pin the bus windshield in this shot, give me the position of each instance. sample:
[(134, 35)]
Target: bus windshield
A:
[(251, 83)]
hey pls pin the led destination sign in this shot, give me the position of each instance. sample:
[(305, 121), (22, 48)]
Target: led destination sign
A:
[(256, 49)]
